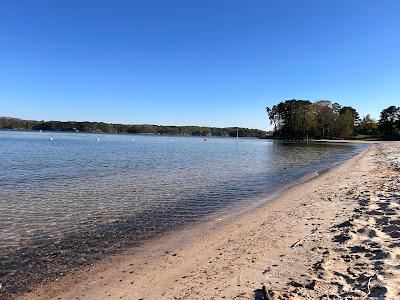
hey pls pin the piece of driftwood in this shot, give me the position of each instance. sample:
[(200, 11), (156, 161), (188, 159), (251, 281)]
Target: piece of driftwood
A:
[(298, 243), (368, 285)]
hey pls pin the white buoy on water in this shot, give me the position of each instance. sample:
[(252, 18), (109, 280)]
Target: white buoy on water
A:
[(98, 139), (50, 139), (133, 140)]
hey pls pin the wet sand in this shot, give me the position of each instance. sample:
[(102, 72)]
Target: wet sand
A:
[(336, 235)]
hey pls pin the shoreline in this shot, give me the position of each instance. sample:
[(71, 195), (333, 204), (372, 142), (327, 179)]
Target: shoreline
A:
[(165, 243), (199, 267), (25, 281)]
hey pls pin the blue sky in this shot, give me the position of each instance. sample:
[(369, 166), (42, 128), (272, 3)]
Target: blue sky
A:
[(203, 62)]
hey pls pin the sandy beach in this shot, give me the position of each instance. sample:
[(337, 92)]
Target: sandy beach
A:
[(334, 236)]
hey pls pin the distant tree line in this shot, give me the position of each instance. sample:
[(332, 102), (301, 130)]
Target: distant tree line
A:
[(299, 119), (15, 123)]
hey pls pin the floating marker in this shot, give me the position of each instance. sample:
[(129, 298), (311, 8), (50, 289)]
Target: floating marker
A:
[(98, 139), (133, 140), (50, 139)]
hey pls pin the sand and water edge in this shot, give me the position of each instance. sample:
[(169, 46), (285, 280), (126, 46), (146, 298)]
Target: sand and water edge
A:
[(335, 235)]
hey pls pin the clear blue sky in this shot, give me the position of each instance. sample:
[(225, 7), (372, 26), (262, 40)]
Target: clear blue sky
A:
[(203, 62)]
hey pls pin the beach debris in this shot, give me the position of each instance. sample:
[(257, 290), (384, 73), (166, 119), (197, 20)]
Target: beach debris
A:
[(368, 285), (298, 243)]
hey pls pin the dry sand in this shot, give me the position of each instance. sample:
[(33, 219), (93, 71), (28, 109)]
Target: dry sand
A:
[(335, 236)]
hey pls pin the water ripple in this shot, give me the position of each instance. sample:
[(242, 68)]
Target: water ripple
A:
[(68, 202)]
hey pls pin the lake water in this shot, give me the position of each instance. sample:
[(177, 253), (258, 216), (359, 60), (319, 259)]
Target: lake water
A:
[(69, 201)]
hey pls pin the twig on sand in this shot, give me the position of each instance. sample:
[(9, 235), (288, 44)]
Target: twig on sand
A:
[(368, 285), (299, 242)]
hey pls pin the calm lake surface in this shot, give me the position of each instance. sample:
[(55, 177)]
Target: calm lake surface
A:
[(69, 201)]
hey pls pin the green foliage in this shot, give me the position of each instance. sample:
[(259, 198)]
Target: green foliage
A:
[(14, 123), (296, 119), (389, 123), (292, 118), (325, 116), (368, 126)]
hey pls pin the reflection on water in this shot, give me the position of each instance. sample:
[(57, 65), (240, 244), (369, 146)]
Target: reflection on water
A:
[(68, 201)]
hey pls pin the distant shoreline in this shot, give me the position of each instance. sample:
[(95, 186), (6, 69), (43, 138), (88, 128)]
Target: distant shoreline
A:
[(8, 123), (127, 133)]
